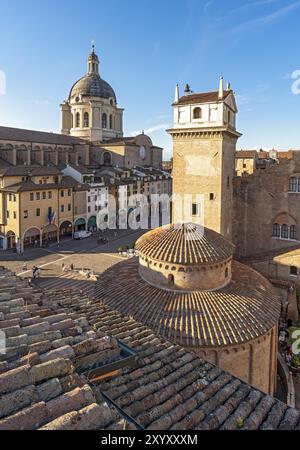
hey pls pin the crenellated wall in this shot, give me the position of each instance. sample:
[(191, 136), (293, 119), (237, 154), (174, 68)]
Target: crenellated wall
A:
[(262, 199)]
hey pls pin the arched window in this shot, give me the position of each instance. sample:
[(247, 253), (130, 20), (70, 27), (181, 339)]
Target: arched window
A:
[(293, 232), (111, 122), (285, 231), (293, 184), (77, 123), (276, 230), (226, 272), (107, 159), (197, 114), (229, 117), (86, 120), (104, 120), (171, 280)]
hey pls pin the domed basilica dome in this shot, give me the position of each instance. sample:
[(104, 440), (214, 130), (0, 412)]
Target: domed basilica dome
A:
[(92, 85)]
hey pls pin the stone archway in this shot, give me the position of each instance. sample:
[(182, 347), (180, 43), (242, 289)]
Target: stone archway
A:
[(22, 155), (171, 280), (32, 237), (107, 159), (92, 223), (80, 224), (11, 240), (66, 229), (50, 233)]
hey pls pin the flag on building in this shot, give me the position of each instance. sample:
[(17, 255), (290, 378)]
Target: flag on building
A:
[(52, 218)]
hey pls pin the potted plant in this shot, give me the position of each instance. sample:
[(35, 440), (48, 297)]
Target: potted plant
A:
[(295, 365)]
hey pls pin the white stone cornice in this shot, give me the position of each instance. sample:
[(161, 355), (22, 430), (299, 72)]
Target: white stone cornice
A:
[(218, 133)]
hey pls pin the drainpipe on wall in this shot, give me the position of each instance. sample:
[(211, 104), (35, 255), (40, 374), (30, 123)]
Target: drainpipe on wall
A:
[(58, 214), (20, 238), (73, 213)]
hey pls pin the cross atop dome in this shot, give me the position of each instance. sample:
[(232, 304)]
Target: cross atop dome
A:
[(93, 62)]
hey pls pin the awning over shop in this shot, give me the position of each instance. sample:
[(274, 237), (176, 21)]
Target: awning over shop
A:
[(79, 222), (92, 222)]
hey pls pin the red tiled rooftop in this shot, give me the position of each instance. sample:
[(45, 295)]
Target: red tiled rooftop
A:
[(202, 97), (50, 334), (185, 244), (246, 308)]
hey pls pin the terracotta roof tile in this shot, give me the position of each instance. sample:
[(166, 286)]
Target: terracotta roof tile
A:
[(18, 134), (169, 388), (203, 97), (11, 171), (184, 244), (246, 154), (246, 308)]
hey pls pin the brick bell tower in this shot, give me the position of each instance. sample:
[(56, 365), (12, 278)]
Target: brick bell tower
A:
[(204, 145)]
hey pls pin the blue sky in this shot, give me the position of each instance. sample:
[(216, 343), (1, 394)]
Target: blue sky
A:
[(145, 48)]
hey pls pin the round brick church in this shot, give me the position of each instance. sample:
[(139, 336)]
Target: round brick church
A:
[(188, 289)]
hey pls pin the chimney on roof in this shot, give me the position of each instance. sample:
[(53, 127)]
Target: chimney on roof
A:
[(176, 93), (187, 90), (221, 89)]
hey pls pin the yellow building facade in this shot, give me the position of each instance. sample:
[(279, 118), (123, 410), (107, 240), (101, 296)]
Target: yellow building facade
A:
[(39, 208)]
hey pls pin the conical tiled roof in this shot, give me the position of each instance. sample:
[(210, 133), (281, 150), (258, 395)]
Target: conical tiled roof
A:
[(185, 244), (245, 309)]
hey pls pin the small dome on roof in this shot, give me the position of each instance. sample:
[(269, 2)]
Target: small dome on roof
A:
[(187, 243)]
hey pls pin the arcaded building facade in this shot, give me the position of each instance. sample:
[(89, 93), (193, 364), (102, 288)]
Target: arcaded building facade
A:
[(32, 164)]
